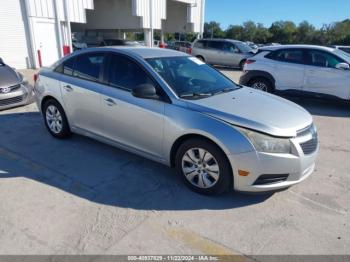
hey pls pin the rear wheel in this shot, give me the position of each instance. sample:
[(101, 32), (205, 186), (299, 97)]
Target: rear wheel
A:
[(201, 58), (203, 167), (261, 84), (55, 119)]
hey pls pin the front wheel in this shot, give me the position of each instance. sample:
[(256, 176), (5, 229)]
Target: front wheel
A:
[(55, 119), (203, 167)]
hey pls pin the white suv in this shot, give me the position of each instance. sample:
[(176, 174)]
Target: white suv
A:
[(315, 70)]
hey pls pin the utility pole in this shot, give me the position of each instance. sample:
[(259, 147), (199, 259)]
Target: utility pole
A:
[(151, 22)]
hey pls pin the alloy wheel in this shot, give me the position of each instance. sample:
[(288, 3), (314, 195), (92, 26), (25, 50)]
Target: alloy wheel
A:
[(54, 119), (200, 168)]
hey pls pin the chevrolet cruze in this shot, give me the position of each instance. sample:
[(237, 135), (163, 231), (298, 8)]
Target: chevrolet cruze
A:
[(173, 108)]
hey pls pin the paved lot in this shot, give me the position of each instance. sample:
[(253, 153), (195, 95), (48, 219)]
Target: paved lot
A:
[(79, 196)]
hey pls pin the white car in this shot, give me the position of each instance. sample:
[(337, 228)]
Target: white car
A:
[(316, 70)]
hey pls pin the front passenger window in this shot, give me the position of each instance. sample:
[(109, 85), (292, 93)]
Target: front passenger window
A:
[(290, 56), (323, 59)]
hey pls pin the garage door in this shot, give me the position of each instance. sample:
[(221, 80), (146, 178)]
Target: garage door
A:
[(13, 44)]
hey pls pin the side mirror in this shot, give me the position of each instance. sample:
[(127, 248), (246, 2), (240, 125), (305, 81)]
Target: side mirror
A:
[(145, 91), (343, 66)]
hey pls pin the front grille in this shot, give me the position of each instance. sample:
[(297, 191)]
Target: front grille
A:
[(310, 146), (10, 101), (270, 179)]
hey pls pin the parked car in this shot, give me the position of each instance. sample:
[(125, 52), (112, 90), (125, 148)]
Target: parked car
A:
[(222, 52), (183, 46), (78, 45), (173, 108), (14, 88), (119, 42), (343, 48), (314, 70)]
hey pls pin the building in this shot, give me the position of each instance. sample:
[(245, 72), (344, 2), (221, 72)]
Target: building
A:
[(36, 33)]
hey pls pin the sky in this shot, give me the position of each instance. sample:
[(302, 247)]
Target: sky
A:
[(317, 12)]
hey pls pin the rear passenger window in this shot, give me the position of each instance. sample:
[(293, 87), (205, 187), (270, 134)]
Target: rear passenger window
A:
[(289, 56), (125, 74), (216, 45), (67, 67), (200, 44), (89, 66)]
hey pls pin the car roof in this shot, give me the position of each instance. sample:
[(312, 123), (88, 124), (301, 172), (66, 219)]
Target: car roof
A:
[(141, 52), (219, 40), (274, 48)]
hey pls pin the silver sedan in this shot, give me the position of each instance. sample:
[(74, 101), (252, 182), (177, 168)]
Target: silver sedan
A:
[(14, 89), (173, 108)]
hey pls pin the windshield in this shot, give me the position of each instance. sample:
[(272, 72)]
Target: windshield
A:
[(244, 47), (190, 78), (342, 55)]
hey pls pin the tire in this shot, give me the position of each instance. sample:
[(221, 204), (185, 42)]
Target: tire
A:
[(55, 119), (201, 58), (212, 176), (241, 65), (261, 84)]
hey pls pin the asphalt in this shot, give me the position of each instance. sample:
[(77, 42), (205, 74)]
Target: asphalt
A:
[(79, 196)]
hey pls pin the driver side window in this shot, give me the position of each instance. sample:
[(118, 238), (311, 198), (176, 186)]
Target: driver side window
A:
[(323, 59)]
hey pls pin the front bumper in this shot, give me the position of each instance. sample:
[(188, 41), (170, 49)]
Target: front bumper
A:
[(273, 172), (23, 95)]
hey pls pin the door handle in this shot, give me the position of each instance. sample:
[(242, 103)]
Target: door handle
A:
[(68, 88), (110, 102)]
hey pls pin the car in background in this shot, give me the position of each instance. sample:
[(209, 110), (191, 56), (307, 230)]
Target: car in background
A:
[(314, 70), (14, 88), (171, 107), (78, 45), (343, 48), (222, 52), (183, 46), (118, 42), (252, 45)]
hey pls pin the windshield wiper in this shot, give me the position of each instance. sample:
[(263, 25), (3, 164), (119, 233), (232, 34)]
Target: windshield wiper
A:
[(196, 95), (225, 90)]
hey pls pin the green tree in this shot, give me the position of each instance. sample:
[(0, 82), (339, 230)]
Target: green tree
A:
[(283, 32), (213, 30), (305, 33)]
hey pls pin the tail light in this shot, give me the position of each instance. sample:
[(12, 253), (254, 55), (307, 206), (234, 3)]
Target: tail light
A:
[(190, 51), (36, 76), (250, 61), (161, 45)]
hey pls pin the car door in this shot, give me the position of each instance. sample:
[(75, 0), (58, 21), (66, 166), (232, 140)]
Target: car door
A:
[(288, 68), (80, 88), (230, 55), (216, 53), (322, 76), (132, 122)]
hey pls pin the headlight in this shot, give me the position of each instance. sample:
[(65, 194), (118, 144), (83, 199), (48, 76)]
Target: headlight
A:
[(267, 144)]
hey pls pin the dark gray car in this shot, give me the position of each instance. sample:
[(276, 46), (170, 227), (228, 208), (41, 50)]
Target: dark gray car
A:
[(14, 89), (223, 52)]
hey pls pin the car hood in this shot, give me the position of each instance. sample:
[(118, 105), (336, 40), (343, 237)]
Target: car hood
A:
[(256, 110), (9, 77)]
